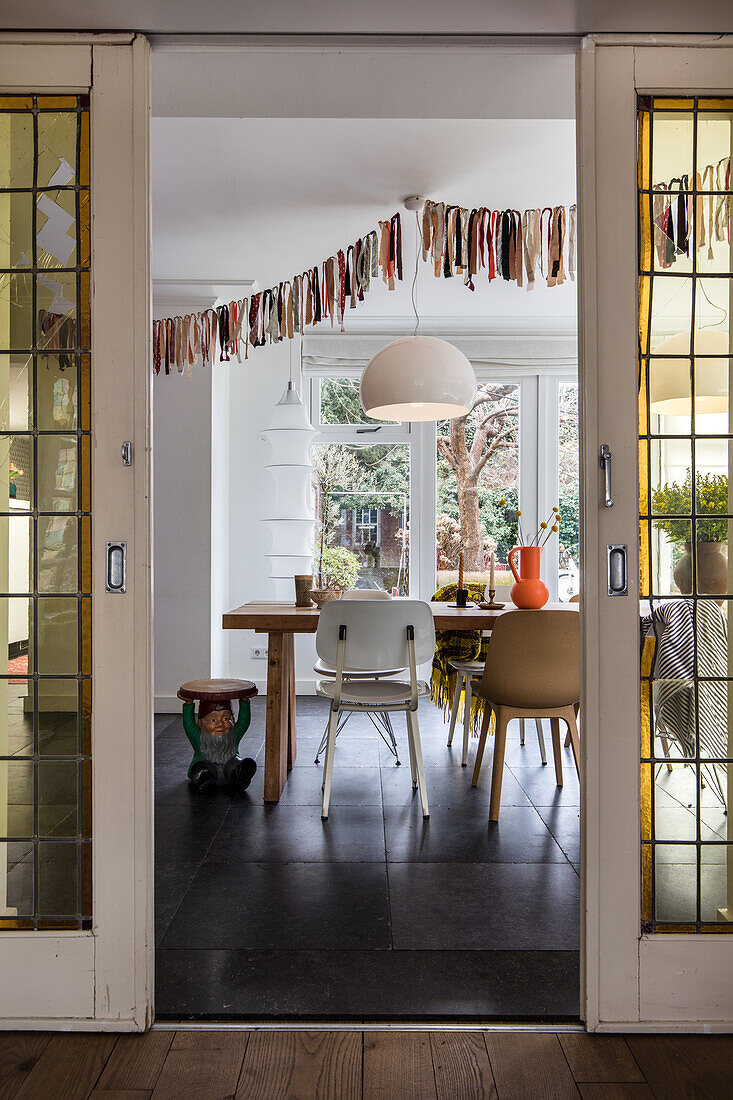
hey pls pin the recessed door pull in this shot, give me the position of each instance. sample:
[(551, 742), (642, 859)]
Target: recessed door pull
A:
[(116, 571), (606, 467), (126, 451), (618, 580)]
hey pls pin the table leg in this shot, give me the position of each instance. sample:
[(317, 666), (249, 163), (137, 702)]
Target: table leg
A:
[(276, 717), (292, 743)]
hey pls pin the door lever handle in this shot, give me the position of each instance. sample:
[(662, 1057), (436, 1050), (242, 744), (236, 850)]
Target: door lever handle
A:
[(606, 467)]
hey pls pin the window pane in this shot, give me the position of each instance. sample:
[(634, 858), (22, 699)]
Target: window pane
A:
[(45, 566), (477, 469), (363, 510), (340, 402), (684, 484)]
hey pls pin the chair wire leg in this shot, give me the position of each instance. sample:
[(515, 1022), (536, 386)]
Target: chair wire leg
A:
[(521, 731), (383, 725), (343, 719)]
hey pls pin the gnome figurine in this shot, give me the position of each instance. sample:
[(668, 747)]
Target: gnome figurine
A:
[(215, 739)]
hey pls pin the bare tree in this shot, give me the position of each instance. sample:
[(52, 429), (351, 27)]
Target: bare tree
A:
[(469, 444)]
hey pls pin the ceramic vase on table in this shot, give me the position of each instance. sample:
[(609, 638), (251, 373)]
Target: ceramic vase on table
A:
[(712, 569), (528, 591)]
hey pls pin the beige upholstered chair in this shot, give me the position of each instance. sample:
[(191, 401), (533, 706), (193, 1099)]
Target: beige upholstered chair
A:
[(532, 671)]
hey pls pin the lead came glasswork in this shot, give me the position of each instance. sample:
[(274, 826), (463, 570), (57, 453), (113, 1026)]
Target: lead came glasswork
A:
[(45, 520), (686, 511)]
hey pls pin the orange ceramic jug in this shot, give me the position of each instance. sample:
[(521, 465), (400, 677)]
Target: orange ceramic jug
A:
[(529, 591)]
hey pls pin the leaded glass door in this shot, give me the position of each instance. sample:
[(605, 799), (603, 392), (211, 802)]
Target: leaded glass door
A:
[(74, 712), (656, 136)]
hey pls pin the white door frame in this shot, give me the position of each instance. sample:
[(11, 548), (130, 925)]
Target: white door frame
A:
[(103, 979), (630, 982)]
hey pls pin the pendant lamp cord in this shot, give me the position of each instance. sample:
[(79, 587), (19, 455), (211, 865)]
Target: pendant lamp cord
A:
[(414, 279)]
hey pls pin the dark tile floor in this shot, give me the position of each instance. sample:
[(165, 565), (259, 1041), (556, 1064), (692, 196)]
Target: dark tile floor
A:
[(267, 911)]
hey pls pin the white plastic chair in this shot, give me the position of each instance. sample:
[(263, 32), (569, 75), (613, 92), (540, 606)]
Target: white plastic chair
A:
[(363, 635), (381, 722)]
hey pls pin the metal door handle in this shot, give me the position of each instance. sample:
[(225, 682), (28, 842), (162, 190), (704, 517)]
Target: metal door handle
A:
[(618, 579), (606, 467), (116, 572)]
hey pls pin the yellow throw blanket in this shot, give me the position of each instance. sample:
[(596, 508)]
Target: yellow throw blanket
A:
[(456, 645)]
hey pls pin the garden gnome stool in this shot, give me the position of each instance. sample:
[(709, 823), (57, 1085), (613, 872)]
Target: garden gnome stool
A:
[(214, 736)]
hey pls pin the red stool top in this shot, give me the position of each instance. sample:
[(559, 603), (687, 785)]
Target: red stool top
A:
[(217, 691)]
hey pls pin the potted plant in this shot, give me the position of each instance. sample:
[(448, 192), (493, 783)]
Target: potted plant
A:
[(711, 530), (13, 473), (338, 570)]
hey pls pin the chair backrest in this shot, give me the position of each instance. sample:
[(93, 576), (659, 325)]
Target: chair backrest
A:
[(575, 598), (533, 659), (376, 633), (366, 594)]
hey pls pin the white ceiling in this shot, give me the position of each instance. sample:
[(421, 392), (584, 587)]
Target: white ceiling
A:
[(264, 198)]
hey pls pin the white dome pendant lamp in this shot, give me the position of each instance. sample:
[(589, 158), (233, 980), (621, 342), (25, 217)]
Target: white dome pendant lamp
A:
[(418, 378)]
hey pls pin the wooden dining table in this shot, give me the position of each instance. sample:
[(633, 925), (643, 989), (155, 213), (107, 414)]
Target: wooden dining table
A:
[(281, 622)]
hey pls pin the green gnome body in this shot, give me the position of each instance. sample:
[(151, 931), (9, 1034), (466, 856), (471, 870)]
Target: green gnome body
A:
[(215, 738)]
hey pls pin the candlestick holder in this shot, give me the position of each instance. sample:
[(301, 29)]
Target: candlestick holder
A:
[(491, 605)]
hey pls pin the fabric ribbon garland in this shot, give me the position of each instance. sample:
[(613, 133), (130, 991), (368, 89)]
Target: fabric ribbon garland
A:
[(506, 244), (277, 313)]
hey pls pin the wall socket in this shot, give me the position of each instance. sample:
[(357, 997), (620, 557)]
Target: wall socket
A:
[(259, 652)]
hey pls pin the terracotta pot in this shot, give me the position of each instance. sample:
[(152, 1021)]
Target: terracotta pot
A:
[(712, 569), (529, 592), (324, 595)]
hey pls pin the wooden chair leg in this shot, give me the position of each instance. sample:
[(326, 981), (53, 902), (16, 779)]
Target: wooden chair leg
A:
[(574, 739), (411, 749), (556, 749), (328, 767), (665, 749), (414, 736), (466, 720), (497, 767), (576, 708), (481, 744), (454, 708), (541, 740)]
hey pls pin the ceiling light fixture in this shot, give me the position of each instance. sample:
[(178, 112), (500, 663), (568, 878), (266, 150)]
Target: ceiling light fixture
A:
[(418, 378)]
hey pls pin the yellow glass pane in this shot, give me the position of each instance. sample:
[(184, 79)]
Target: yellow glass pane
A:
[(84, 399), (86, 713), (643, 160), (58, 879), (645, 290), (15, 102), (645, 233), (57, 393), (646, 801), (84, 149), (85, 548), (647, 907), (644, 570), (57, 102), (16, 560), (670, 404), (671, 318), (56, 229), (662, 103), (85, 322), (58, 643), (57, 136), (85, 611), (675, 880), (16, 384), (58, 732), (16, 153), (57, 475), (643, 397), (85, 779), (58, 799), (85, 235), (85, 446), (643, 478), (715, 104), (58, 560), (672, 155)]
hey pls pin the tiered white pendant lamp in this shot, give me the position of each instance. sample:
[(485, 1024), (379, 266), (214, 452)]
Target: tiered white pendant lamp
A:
[(670, 378), (290, 513), (418, 378)]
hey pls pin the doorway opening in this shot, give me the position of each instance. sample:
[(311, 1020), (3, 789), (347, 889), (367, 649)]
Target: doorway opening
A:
[(266, 911)]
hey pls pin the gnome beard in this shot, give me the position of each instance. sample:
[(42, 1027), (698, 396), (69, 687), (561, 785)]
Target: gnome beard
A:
[(219, 748)]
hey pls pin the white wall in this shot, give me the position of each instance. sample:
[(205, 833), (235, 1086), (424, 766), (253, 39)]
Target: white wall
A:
[(182, 532)]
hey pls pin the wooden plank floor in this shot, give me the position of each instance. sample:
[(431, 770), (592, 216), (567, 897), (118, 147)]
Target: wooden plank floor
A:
[(368, 1065)]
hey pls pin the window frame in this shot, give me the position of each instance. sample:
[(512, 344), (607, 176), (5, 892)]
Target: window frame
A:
[(539, 391)]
